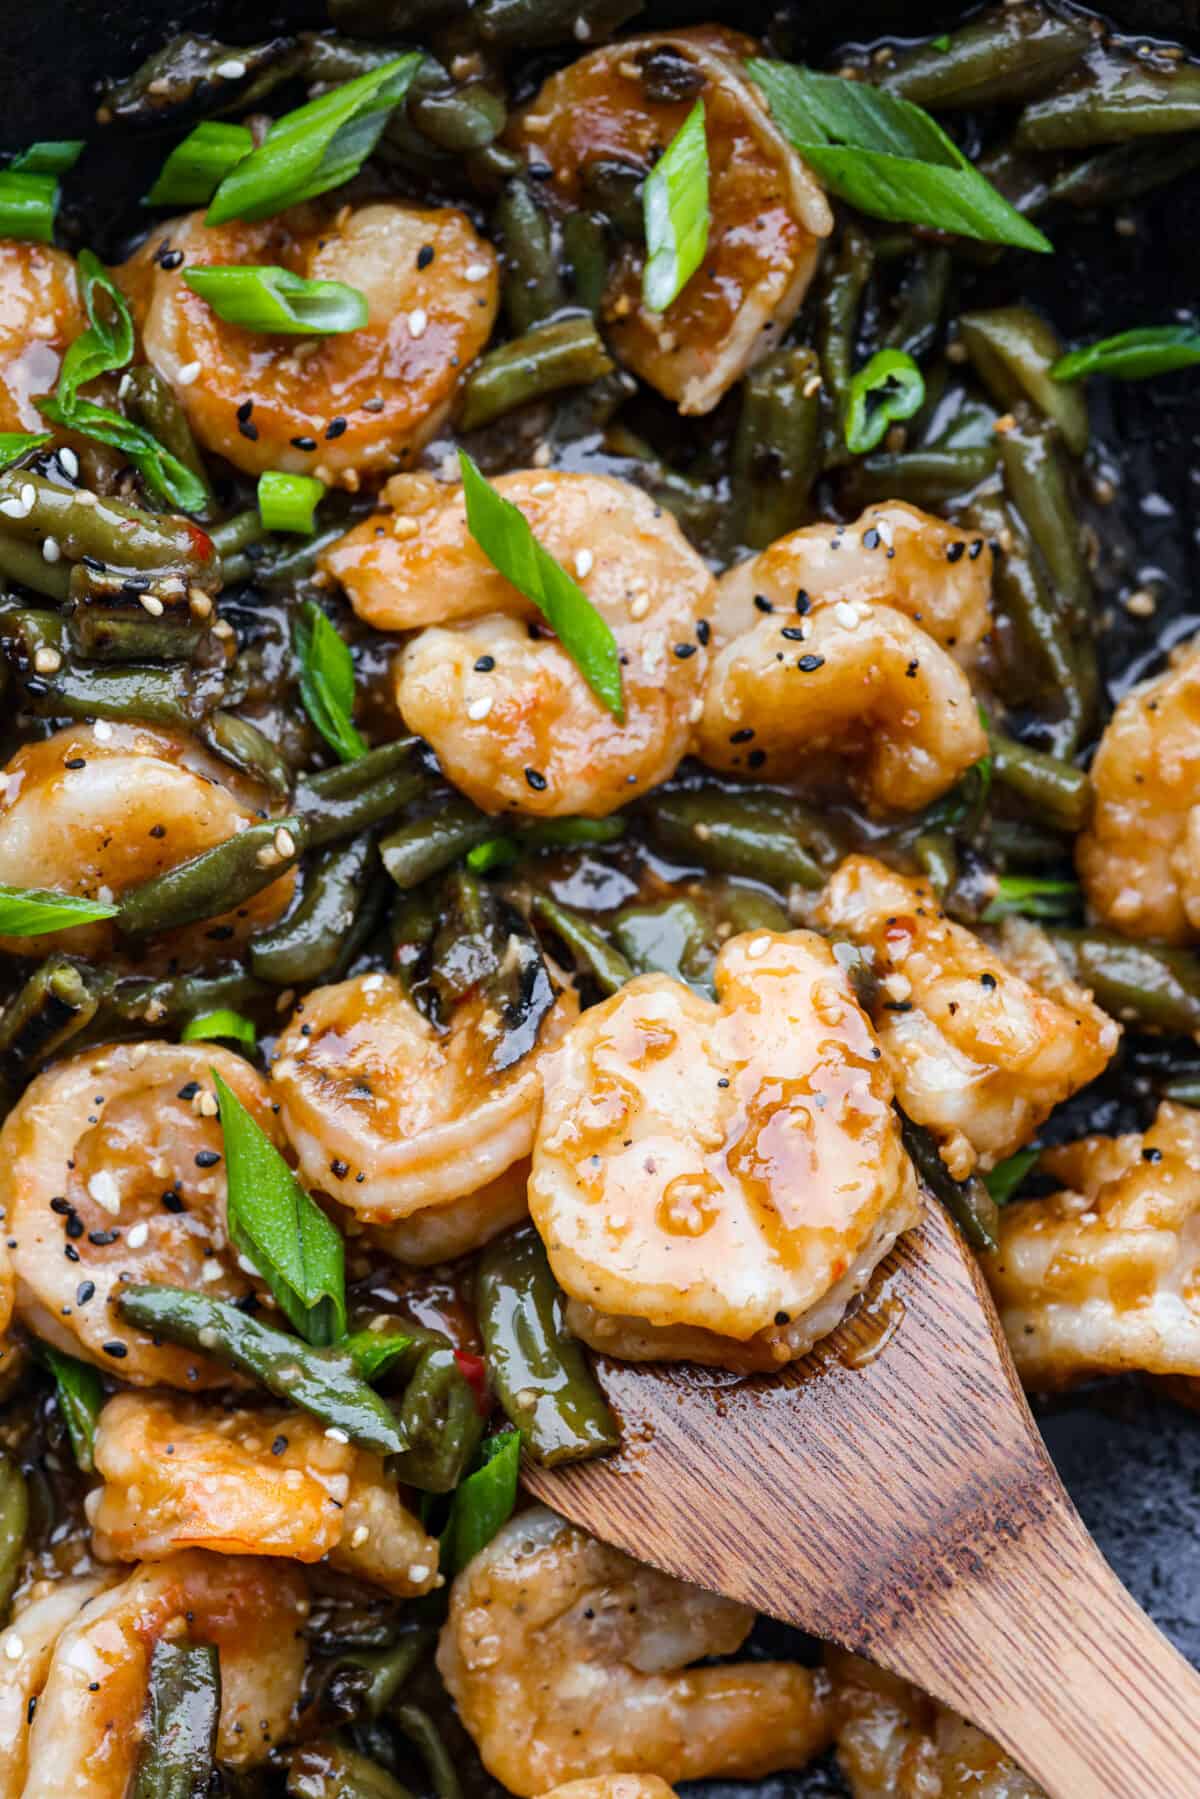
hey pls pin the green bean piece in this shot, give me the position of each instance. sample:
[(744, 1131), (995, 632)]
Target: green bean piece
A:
[(565, 353), (532, 288), (415, 1723), (612, 187), (215, 881), (131, 1002), (838, 305), (488, 170), (131, 694), (672, 937), (1126, 172), (309, 942), (412, 926), (440, 1420), (930, 478), (353, 796), (319, 1381), (181, 79), (388, 1669), (1038, 482), (570, 833), (590, 949), (777, 448), (758, 834), (427, 846), (24, 562), (457, 119), (1013, 351), (1005, 54), (241, 532), (249, 750), (1183, 1093), (922, 303), (177, 1758), (1110, 100), (293, 565), (150, 401), (483, 944), (126, 633), (57, 1002), (968, 1202), (586, 249), (328, 1770), (934, 854), (1140, 983), (539, 1371), (530, 24), (1023, 180), (698, 507), (748, 909), (82, 524), (14, 1524)]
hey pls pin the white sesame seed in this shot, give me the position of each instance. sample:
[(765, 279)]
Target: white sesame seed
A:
[(50, 550), (211, 1271), (206, 1105), (68, 461), (584, 563), (14, 508), (640, 606), (222, 628), (102, 730), (418, 1571), (156, 1011), (137, 1056), (103, 1189), (846, 614), (14, 1648), (477, 271), (479, 709), (542, 456), (232, 69), (418, 318), (285, 843), (136, 1235), (152, 605), (541, 488), (188, 373), (47, 661), (886, 535), (267, 856), (582, 29), (105, 895), (29, 495), (359, 1536), (335, 1435), (372, 983), (199, 603), (898, 987), (208, 1337), (758, 948)]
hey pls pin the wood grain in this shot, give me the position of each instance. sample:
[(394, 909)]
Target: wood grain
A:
[(892, 1493)]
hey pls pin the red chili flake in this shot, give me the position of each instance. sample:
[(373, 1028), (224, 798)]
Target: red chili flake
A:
[(473, 1369)]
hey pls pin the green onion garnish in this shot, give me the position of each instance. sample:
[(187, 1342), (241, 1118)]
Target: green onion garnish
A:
[(196, 168), (327, 681), (223, 1025), (284, 1233), (887, 156), (1133, 355), (107, 344), (33, 911), (28, 204), (502, 533), (162, 471), (316, 148), (890, 388), (675, 209), (1032, 896), (267, 298), (373, 1352), (1007, 1176), (80, 1394), (289, 502), (482, 1502), (493, 852), (54, 156), (15, 444)]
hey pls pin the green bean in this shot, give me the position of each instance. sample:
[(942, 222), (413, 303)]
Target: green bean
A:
[(14, 1524), (1024, 181), (419, 1728), (439, 1419), (612, 187), (1013, 351), (134, 1001), (388, 1669), (1183, 1093), (530, 24), (935, 856), (317, 1380), (1126, 172), (306, 944), (182, 79), (539, 1371), (777, 448), (1139, 983), (327, 1770), (1037, 479), (130, 694), (761, 835), (1005, 54), (748, 909), (150, 401), (54, 1005), (565, 353), (412, 926), (82, 524), (922, 303), (459, 119), (426, 846), (354, 796), (247, 749), (489, 169), (240, 532), (586, 249), (295, 565), (968, 1202), (590, 949), (698, 507), (1109, 101), (838, 304), (177, 1758), (570, 833), (532, 288), (129, 634), (671, 937), (930, 478), (25, 563), (215, 881), (1057, 792), (482, 944)]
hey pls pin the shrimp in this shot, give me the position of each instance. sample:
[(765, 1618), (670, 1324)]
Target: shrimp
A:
[(440, 1233), (98, 809), (569, 1661), (892, 555), (340, 406), (717, 1181), (767, 215), (1139, 858), (40, 315), (388, 1116), (894, 1742), (614, 1786), (863, 682), (115, 1155), (982, 1045), (179, 1475), (1104, 1276), (87, 1729), (29, 1646), (512, 720)]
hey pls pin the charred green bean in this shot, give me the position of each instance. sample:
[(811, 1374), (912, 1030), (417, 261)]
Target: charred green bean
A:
[(532, 288), (1056, 791), (968, 1202), (760, 835), (14, 1524), (565, 353), (1004, 54), (215, 881), (1037, 479), (354, 796), (777, 449), (1013, 352), (428, 845), (590, 949), (57, 1002), (82, 524), (438, 1417), (1110, 100), (150, 401), (306, 944)]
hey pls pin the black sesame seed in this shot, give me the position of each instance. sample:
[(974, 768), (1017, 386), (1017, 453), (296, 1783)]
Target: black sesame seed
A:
[(158, 830), (244, 411), (425, 256), (742, 735), (976, 549), (988, 981), (75, 762), (207, 1158), (102, 1239), (763, 603), (536, 780), (539, 171), (84, 1292), (70, 1251), (335, 428), (94, 563), (173, 1202), (189, 1091), (339, 1169), (802, 601), (74, 1226), (756, 758), (871, 539), (172, 259), (1152, 1155), (249, 429), (912, 668), (782, 1318), (955, 551), (684, 650), (703, 630), (62, 1206), (807, 664), (303, 443), (279, 1445), (484, 665), (723, 1080), (118, 1351), (794, 633)]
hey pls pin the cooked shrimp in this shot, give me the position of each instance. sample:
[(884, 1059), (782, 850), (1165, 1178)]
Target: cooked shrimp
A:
[(87, 1728), (115, 1154), (40, 315), (389, 1116), (614, 1786), (440, 1233), (717, 1181), (891, 555), (861, 682), (894, 1742), (97, 809), (1105, 1275), (336, 407), (767, 214), (29, 1645), (178, 1475), (512, 720), (568, 1660), (981, 1050), (1139, 858)]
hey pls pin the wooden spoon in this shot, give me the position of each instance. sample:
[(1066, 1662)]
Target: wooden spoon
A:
[(892, 1493)]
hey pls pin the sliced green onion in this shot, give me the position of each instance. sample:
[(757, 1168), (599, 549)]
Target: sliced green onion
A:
[(32, 911), (482, 1502), (223, 1025), (15, 444), (28, 204), (373, 1352), (890, 388), (196, 168), (494, 852), (502, 533), (940, 43), (1133, 355), (675, 209), (1030, 896), (279, 1228), (887, 156), (162, 471), (317, 147), (80, 1394), (266, 298), (289, 502), (1007, 1176), (327, 681), (53, 156)]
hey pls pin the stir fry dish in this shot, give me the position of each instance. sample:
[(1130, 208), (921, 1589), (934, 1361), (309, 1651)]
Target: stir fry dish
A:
[(566, 774)]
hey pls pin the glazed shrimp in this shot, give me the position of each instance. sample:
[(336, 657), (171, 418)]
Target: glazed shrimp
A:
[(569, 1661), (717, 1181), (1104, 1276), (98, 809), (513, 722), (614, 1786), (389, 1117), (29, 1643), (891, 555), (442, 1232), (40, 315), (336, 407), (116, 1154), (1139, 859), (767, 214), (87, 1728), (860, 682), (982, 1042), (179, 1475)]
